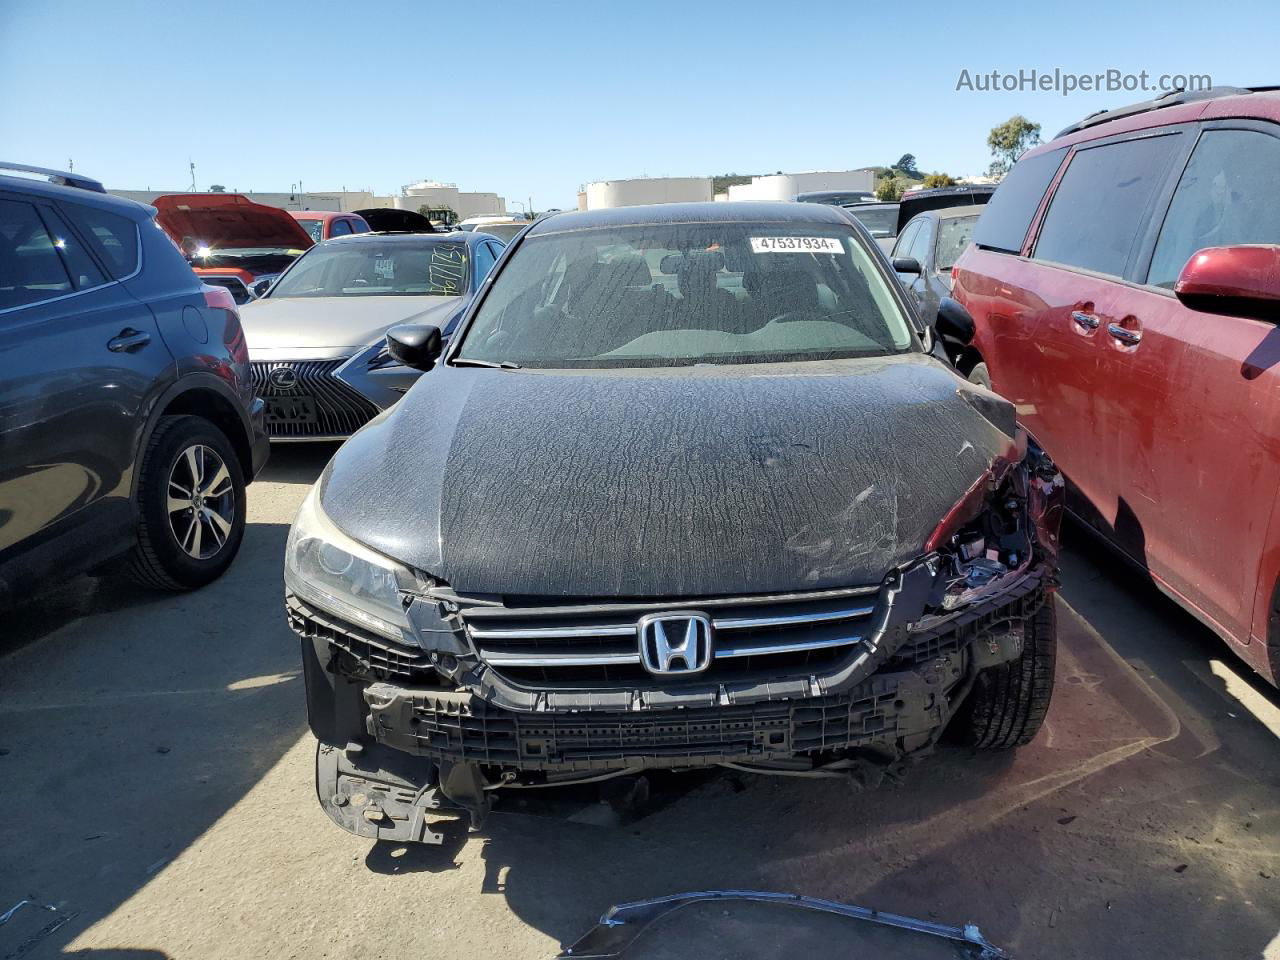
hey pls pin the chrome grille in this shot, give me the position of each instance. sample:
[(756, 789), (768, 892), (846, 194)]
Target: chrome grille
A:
[(331, 407), (598, 644)]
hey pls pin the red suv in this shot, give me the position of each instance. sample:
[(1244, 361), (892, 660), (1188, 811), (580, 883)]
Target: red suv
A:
[(1125, 287)]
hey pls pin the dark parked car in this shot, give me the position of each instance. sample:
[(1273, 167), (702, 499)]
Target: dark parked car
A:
[(835, 198), (887, 220), (317, 337), (735, 515), (392, 220), (127, 420), (927, 249), (1125, 281), (880, 219)]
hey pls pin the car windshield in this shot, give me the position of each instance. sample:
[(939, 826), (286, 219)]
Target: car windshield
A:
[(365, 269), (880, 221), (683, 293), (953, 237), (313, 227)]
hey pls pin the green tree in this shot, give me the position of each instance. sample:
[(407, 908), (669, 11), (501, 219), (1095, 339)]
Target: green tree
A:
[(939, 180), (907, 164), (1009, 141), (890, 188), (217, 188)]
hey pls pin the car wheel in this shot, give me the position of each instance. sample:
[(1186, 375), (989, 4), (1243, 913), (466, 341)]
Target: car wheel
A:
[(980, 376), (191, 506), (1009, 701)]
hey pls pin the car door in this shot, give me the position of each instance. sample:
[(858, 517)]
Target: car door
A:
[(1083, 248), (1198, 394), (81, 356)]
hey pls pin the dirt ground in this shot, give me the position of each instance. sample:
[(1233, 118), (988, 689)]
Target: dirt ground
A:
[(157, 774)]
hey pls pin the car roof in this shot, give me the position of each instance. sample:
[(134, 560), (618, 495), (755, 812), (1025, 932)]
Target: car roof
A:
[(955, 213), (90, 198), (1174, 98), (730, 212), (1181, 107)]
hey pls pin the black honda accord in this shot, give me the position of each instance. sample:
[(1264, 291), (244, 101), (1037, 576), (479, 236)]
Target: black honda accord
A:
[(684, 489)]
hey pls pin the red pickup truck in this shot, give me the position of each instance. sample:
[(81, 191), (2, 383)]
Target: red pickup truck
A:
[(230, 241)]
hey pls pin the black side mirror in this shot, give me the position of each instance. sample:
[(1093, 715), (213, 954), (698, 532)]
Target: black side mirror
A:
[(261, 287), (906, 265), (416, 345), (954, 322)]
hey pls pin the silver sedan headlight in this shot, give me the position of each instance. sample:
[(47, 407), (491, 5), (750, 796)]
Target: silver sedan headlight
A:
[(325, 567)]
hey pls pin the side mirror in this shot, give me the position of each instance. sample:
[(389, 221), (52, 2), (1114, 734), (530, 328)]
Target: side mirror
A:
[(954, 322), (1242, 281), (260, 288), (906, 265), (416, 345)]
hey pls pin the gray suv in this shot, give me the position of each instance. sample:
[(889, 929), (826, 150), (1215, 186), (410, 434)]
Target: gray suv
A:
[(128, 425)]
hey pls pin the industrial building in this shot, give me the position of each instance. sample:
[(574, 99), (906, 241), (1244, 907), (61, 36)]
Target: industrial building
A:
[(780, 186)]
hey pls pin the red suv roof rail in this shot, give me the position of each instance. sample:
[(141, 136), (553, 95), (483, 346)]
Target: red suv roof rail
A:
[(1171, 99)]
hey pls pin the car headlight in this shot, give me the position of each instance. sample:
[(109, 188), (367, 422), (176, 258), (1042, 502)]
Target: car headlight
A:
[(327, 568)]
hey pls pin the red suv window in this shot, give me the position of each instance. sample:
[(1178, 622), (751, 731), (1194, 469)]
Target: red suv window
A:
[(1005, 219), (1226, 196), (1099, 208)]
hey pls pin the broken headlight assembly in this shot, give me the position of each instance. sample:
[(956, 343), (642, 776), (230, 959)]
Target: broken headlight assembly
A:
[(990, 535), (325, 567)]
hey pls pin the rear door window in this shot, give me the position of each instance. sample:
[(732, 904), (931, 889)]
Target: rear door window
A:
[(115, 237), (84, 272), (1227, 196), (1013, 206), (1101, 205), (341, 228), (30, 268), (953, 237)]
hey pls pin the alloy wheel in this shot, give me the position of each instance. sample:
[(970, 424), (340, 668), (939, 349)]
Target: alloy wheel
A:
[(202, 503)]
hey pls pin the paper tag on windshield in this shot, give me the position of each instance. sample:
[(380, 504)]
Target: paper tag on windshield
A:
[(796, 245), (384, 269)]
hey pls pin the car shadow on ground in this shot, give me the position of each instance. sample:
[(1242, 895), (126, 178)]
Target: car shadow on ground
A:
[(132, 721)]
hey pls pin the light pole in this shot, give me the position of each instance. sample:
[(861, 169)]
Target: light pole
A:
[(523, 208)]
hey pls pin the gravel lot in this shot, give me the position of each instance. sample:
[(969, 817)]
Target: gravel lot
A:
[(158, 776)]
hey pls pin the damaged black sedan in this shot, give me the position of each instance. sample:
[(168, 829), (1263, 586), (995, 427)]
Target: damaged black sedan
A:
[(685, 489)]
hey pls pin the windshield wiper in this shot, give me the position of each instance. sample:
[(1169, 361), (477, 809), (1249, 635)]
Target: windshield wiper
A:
[(496, 364)]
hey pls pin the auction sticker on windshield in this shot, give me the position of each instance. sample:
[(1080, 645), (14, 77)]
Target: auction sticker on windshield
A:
[(796, 245)]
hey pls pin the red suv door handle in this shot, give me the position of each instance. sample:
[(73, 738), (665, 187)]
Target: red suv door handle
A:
[(1086, 320), (1125, 336)]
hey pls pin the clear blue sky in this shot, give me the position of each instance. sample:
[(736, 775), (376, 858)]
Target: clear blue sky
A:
[(380, 94)]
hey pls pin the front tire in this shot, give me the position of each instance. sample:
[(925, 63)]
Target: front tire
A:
[(1009, 701), (980, 375), (191, 506)]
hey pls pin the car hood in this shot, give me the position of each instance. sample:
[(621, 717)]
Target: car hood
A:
[(229, 221), (283, 327), (685, 482)]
